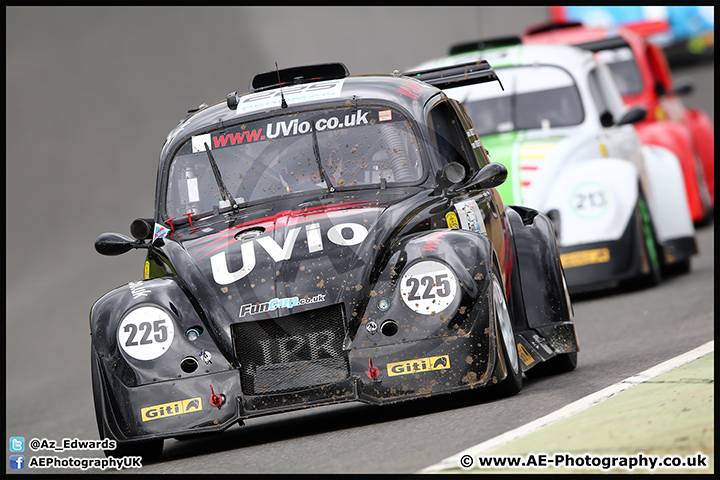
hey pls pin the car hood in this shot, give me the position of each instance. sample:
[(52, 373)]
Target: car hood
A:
[(271, 261)]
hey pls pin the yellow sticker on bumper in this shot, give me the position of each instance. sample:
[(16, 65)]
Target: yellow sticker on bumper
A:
[(585, 257), (524, 354), (418, 365), (452, 220), (169, 409)]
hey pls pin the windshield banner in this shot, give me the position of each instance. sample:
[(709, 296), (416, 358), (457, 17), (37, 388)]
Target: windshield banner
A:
[(287, 128)]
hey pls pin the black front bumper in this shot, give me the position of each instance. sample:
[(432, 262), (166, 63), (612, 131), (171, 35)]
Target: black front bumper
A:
[(598, 265), (406, 371)]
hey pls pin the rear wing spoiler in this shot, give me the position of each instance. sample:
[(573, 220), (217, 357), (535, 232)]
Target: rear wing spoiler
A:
[(457, 75)]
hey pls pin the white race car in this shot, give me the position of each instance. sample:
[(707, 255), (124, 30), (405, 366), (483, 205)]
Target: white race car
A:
[(559, 125)]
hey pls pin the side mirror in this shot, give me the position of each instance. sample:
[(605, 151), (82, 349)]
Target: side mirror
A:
[(142, 228), (490, 176), (606, 119), (683, 86), (659, 89), (634, 115), (113, 244), (451, 174)]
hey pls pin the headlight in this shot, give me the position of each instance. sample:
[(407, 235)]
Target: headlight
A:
[(193, 333), (428, 287), (146, 333), (383, 304)]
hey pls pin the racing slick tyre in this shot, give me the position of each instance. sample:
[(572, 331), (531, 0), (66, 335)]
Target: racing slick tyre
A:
[(149, 450), (650, 250), (679, 268), (704, 195), (512, 384)]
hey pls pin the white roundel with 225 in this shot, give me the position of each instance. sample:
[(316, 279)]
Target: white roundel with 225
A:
[(146, 333), (428, 287)]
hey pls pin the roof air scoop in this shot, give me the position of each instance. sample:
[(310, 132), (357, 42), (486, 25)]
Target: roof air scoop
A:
[(484, 43), (542, 27), (457, 75), (297, 75)]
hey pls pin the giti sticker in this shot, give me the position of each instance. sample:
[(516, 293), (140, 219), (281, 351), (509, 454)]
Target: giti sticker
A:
[(452, 220), (585, 257), (524, 354), (419, 365), (170, 409), (385, 115)]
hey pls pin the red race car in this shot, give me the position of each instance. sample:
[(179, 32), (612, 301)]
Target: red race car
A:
[(642, 74)]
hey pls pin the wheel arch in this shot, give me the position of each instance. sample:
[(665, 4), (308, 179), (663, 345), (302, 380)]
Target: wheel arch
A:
[(543, 317)]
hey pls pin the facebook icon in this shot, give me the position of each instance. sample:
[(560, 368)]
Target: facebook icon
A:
[(17, 462)]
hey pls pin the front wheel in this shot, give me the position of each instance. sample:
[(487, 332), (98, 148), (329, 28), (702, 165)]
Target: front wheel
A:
[(512, 384), (679, 268), (649, 248)]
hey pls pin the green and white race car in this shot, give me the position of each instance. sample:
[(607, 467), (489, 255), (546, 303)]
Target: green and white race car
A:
[(558, 123)]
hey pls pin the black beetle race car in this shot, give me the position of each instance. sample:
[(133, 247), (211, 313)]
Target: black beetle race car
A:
[(324, 238)]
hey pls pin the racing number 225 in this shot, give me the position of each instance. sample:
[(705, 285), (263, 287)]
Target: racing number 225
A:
[(157, 326), (428, 282)]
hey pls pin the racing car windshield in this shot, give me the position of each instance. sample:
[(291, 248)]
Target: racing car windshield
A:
[(534, 97), (624, 69), (300, 152)]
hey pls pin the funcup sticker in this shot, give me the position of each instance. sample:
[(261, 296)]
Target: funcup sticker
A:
[(275, 303)]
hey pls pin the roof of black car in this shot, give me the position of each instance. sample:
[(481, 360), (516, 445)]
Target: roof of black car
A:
[(406, 92)]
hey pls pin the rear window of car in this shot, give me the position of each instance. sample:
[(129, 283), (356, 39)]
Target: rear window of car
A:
[(367, 146), (624, 69), (535, 96)]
